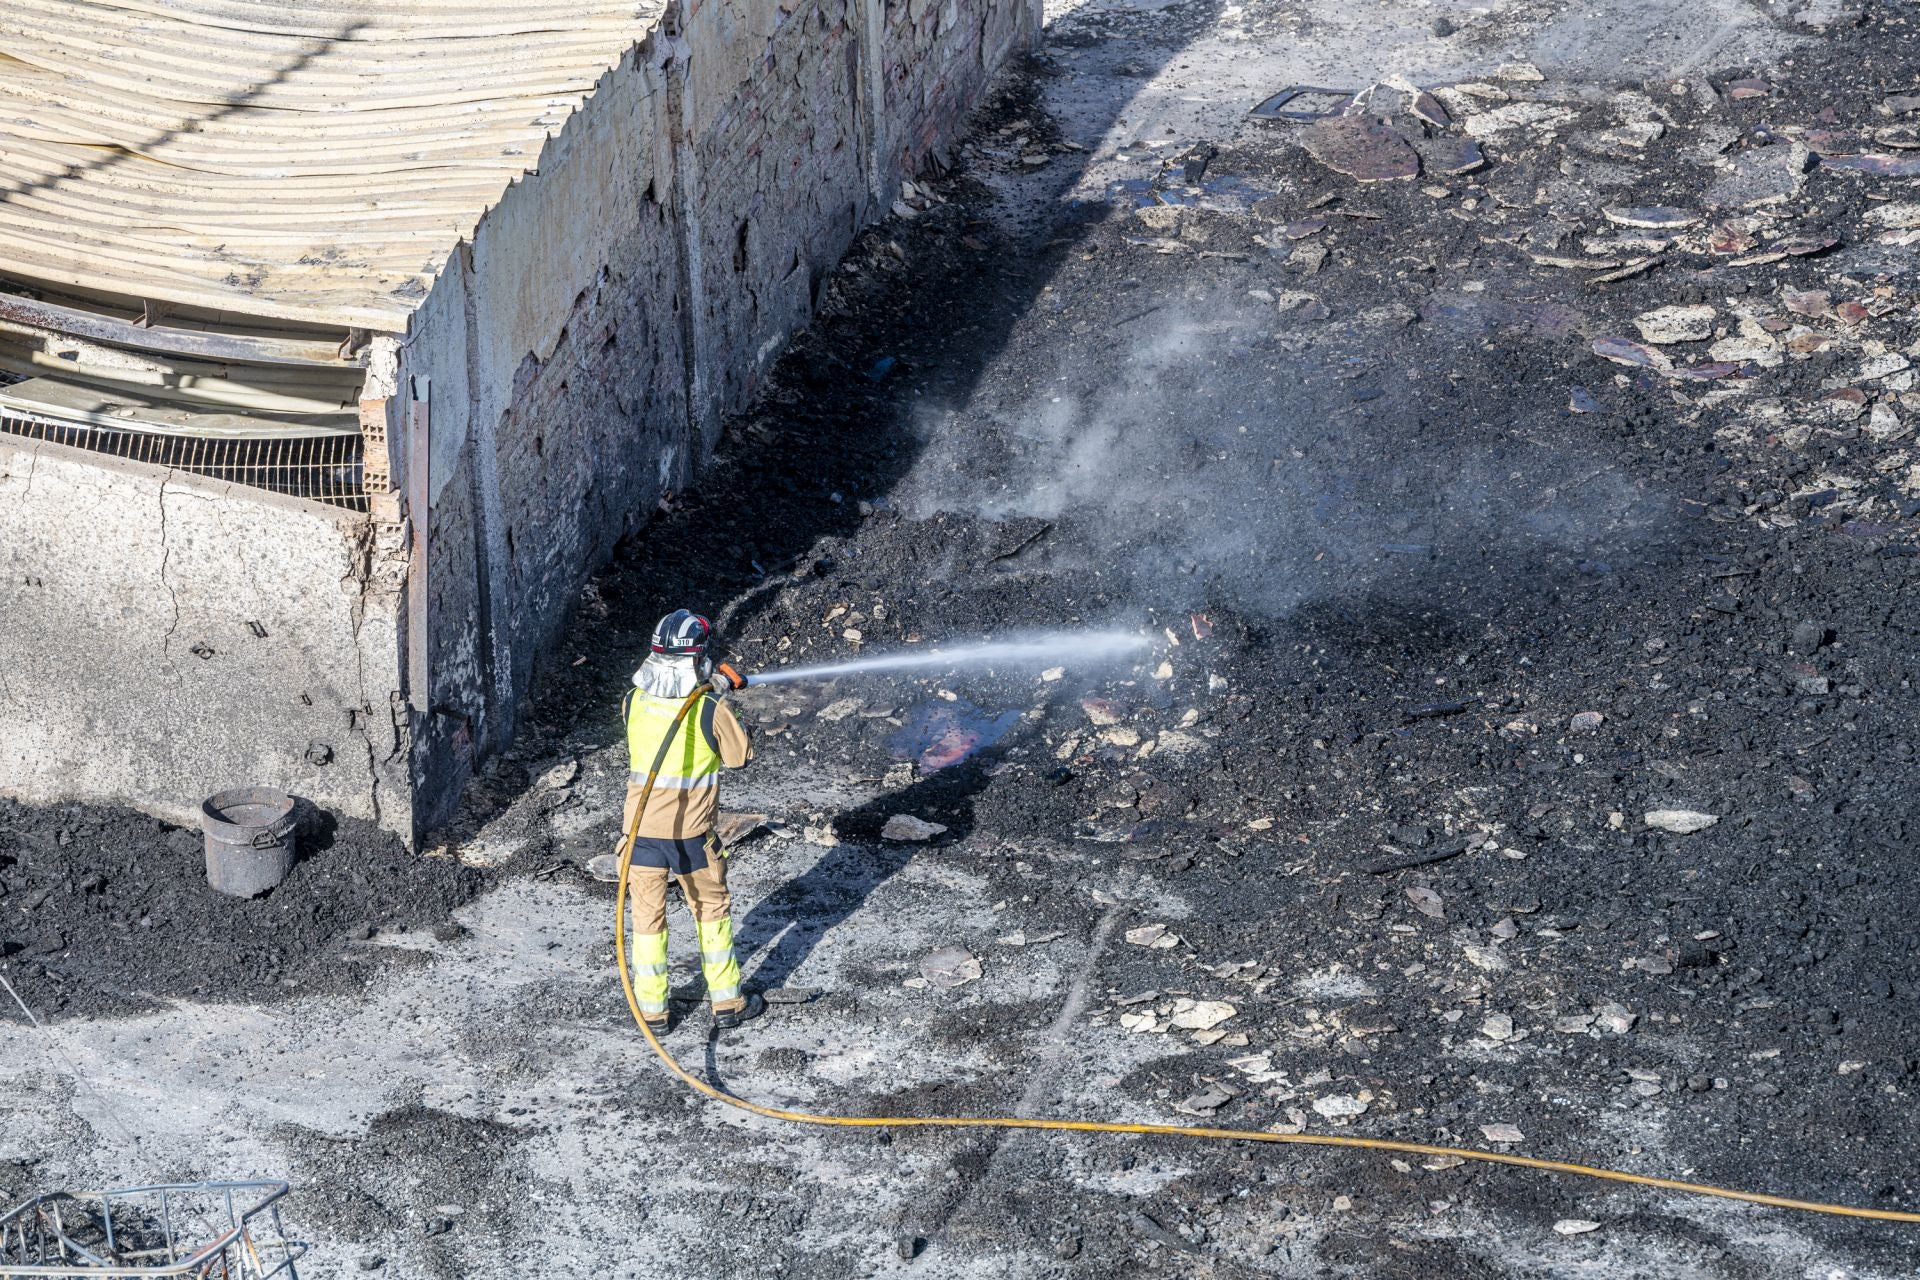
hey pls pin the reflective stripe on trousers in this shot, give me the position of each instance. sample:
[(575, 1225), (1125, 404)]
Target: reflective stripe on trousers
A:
[(717, 963), (650, 972), (712, 909)]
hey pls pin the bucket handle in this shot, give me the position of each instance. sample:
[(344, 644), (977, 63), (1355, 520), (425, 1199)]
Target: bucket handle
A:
[(268, 837)]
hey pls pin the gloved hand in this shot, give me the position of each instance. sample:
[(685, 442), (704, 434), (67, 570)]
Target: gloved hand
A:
[(723, 679)]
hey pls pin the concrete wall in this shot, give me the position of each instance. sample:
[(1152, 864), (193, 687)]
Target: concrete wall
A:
[(164, 636), (615, 307)]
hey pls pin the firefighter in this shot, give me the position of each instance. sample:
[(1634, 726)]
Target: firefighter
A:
[(676, 834)]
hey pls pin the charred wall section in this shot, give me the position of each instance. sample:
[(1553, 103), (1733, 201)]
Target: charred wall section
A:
[(615, 306)]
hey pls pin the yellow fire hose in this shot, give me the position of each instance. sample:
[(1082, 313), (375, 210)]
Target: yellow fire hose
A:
[(1165, 1130)]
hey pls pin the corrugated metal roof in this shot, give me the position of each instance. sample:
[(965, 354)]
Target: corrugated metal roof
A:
[(309, 160)]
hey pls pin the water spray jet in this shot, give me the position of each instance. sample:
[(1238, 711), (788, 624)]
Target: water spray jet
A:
[(1054, 646)]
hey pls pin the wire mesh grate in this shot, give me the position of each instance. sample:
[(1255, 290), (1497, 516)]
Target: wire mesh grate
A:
[(319, 468), (188, 1231)]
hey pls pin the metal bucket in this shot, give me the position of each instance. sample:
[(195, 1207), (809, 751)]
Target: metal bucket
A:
[(250, 839)]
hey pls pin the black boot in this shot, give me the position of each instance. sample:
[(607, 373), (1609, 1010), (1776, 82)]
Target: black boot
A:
[(727, 1020)]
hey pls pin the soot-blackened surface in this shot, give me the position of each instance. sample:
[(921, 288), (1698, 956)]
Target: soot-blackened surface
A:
[(106, 912), (1398, 564)]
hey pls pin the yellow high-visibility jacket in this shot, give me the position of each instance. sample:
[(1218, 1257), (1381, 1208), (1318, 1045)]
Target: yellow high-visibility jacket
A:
[(686, 795)]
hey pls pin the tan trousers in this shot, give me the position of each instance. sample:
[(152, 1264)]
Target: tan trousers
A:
[(712, 906)]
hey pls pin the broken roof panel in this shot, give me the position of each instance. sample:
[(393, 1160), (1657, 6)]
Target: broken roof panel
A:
[(312, 162)]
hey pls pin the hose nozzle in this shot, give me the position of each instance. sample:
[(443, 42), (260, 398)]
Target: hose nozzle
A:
[(733, 678)]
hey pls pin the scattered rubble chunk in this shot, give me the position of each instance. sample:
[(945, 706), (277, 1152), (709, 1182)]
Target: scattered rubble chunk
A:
[(1575, 1226), (1303, 102), (1573, 264), (1295, 305), (1615, 245), (1802, 246), (1614, 1019), (1154, 936), (1502, 1133), (1628, 352), (1807, 637), (1200, 1015), (1205, 1102), (1724, 241), (1340, 1106), (1682, 822), (1899, 216), (1636, 135), (1586, 721), (1884, 422), (1426, 902), (838, 710), (1486, 959), (1812, 303), (1163, 218), (1707, 372), (1102, 711), (1878, 166), (1361, 148), (1680, 323), (1740, 90), (905, 827), (1428, 108), (1498, 1026), (559, 777), (1633, 268), (737, 828), (1651, 217), (949, 967), (1521, 71), (1453, 156), (1762, 176), (1516, 117), (1488, 92), (1580, 400), (1309, 257)]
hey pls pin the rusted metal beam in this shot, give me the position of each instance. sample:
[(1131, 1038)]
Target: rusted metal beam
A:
[(144, 335)]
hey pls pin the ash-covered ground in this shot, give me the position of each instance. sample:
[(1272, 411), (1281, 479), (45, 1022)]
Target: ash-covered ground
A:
[(1523, 761)]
